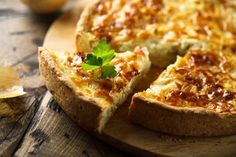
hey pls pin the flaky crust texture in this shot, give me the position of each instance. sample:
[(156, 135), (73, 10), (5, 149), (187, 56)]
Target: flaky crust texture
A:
[(82, 110), (181, 121)]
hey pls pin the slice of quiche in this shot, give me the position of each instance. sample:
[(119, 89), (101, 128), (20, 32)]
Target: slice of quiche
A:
[(196, 96), (166, 27), (84, 95)]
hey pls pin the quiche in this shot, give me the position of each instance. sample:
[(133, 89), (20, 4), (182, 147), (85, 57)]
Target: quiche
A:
[(195, 96), (166, 27), (86, 98)]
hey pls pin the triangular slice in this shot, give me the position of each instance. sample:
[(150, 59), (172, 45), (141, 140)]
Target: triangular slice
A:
[(196, 96), (89, 100)]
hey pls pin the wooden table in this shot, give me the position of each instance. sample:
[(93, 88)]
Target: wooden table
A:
[(27, 126)]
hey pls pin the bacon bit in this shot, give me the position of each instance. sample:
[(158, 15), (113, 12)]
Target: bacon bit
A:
[(98, 29), (200, 59), (131, 74), (153, 20), (228, 95), (117, 26), (106, 84), (181, 70), (234, 49), (105, 37), (144, 35), (70, 59), (152, 2), (101, 9), (224, 66), (81, 54), (212, 106), (119, 86), (104, 93), (130, 33), (139, 51), (188, 96), (191, 80), (223, 107)]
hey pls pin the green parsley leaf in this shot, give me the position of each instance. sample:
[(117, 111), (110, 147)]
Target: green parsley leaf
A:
[(104, 51), (93, 60), (100, 58), (108, 71), (89, 67)]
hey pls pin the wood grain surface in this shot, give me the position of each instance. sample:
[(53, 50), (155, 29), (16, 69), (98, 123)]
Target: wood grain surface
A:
[(27, 126)]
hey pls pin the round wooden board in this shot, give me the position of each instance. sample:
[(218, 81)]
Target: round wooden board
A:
[(119, 131)]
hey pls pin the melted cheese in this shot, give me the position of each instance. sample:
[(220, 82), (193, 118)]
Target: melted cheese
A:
[(164, 25), (129, 65), (200, 79)]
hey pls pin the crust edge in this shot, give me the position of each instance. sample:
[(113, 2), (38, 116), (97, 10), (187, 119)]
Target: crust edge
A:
[(180, 121)]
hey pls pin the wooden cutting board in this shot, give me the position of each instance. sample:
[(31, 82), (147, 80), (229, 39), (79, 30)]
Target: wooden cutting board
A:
[(119, 131)]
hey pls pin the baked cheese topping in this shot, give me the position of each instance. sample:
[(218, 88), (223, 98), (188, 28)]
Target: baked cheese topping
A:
[(164, 21), (128, 65), (204, 79)]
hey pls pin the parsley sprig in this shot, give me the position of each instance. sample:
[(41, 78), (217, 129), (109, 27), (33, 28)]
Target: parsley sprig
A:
[(100, 59)]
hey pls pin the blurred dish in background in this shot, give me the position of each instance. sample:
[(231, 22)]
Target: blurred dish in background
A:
[(44, 6)]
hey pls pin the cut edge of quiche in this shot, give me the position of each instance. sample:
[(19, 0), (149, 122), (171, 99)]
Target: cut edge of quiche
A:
[(195, 96), (88, 100)]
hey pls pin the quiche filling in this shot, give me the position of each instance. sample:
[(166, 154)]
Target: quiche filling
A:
[(164, 25), (205, 79), (107, 91)]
